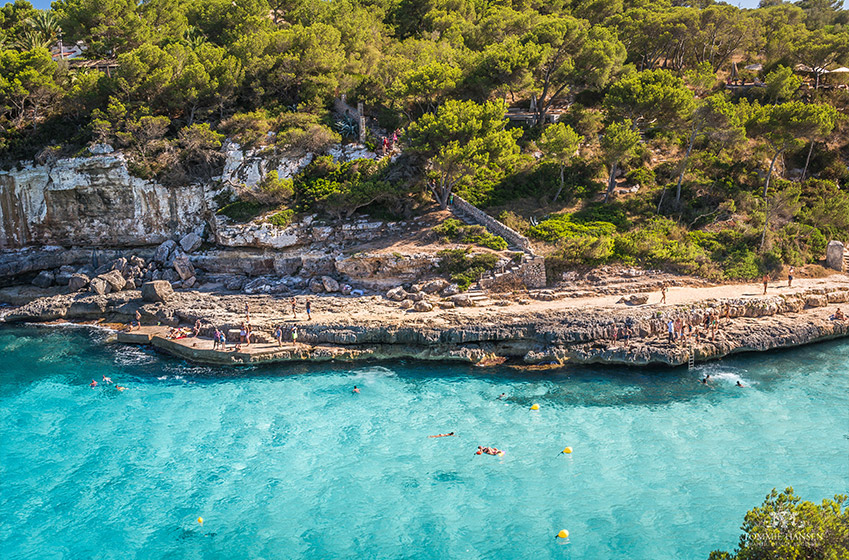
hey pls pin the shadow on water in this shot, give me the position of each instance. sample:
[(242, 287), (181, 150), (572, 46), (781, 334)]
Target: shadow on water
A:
[(79, 353)]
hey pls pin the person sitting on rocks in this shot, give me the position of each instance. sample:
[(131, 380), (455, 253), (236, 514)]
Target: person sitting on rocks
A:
[(838, 316)]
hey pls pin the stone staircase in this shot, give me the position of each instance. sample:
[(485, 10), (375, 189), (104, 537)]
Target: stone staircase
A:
[(846, 262), (479, 297), (471, 221)]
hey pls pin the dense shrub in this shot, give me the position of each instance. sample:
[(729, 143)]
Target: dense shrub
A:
[(465, 268), (453, 230), (282, 218)]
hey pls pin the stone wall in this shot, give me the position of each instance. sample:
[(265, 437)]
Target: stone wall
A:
[(533, 272), (512, 236)]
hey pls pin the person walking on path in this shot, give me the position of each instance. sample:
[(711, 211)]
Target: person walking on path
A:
[(663, 293), (309, 310), (295, 335), (790, 277), (766, 282), (294, 312), (247, 313)]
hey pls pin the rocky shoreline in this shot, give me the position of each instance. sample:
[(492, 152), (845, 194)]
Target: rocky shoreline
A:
[(376, 328)]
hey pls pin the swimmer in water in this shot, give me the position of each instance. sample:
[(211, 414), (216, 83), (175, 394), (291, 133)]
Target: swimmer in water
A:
[(706, 379), (107, 379), (120, 388), (356, 389), (488, 450), (740, 384), (502, 396), (443, 435), (93, 383)]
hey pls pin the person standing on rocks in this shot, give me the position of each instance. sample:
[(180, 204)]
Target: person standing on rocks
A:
[(766, 282), (671, 329), (790, 277), (247, 313), (294, 334), (216, 338), (294, 312), (278, 335), (309, 310), (663, 293), (136, 323)]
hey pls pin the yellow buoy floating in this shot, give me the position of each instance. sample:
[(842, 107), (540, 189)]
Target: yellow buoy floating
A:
[(200, 520), (534, 406), (567, 450), (563, 534)]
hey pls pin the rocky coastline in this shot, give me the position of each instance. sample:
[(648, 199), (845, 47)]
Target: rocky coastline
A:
[(558, 332)]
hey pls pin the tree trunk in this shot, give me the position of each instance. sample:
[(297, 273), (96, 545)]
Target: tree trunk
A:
[(611, 182), (766, 201), (442, 194), (769, 173), (807, 161), (684, 164), (561, 183)]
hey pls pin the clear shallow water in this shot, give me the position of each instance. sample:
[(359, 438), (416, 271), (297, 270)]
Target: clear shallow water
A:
[(284, 462)]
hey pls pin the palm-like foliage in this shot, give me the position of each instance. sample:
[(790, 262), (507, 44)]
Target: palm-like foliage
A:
[(31, 39), (45, 23), (194, 37)]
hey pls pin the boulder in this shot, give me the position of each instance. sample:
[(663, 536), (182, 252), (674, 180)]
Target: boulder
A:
[(316, 285), (330, 285), (407, 304), (189, 282), (156, 291), (170, 275), (462, 300), (423, 306), (114, 279), (183, 267), (816, 301), (120, 264), (44, 279), (98, 286), (397, 294), (834, 255), (635, 299), (435, 285), (164, 251), (838, 297), (130, 285), (191, 242), (78, 282), (446, 304), (416, 296), (234, 283), (451, 290)]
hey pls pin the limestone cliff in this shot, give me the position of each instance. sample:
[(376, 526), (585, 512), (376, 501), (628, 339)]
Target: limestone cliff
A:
[(93, 201)]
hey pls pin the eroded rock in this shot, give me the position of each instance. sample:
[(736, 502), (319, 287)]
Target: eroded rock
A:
[(156, 291)]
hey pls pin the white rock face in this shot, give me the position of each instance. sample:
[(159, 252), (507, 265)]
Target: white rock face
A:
[(248, 167), (93, 201)]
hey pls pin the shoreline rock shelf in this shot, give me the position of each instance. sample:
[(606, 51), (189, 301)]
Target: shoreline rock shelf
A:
[(376, 328)]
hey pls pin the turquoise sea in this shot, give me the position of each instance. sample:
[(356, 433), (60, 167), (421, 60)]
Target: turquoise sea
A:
[(286, 462)]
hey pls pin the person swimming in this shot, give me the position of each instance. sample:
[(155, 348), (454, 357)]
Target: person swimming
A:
[(107, 379), (488, 450), (356, 389), (740, 384), (443, 435), (706, 379), (120, 388), (502, 396), (93, 383)]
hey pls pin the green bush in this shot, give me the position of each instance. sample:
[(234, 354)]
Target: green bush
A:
[(454, 230), (561, 227), (282, 219), (464, 268), (242, 210)]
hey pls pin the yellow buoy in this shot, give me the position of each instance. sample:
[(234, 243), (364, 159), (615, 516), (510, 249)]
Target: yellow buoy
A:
[(200, 520), (567, 450), (563, 534), (534, 406)]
